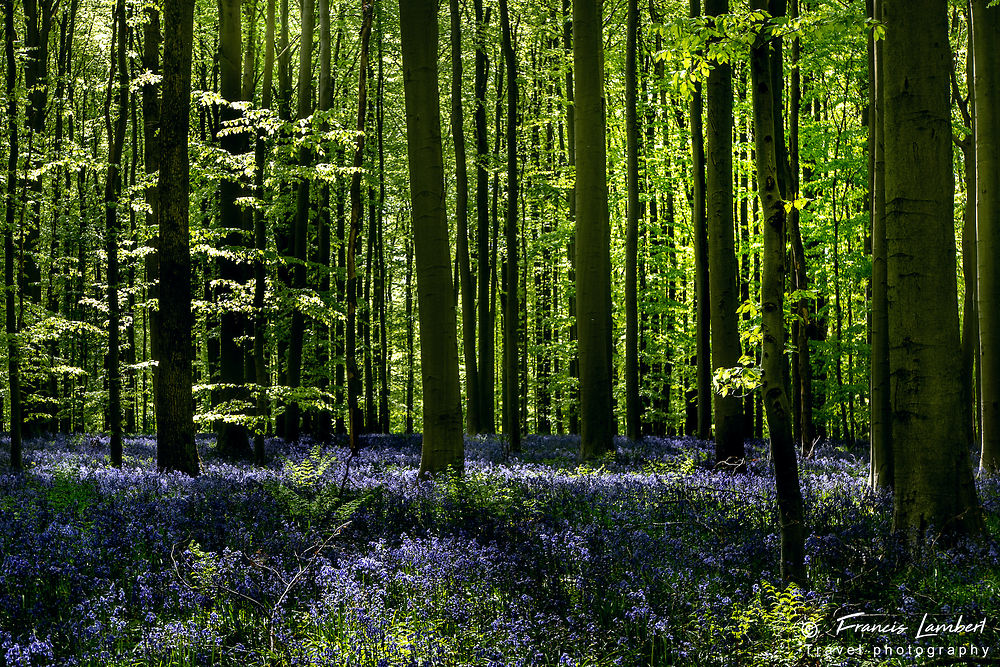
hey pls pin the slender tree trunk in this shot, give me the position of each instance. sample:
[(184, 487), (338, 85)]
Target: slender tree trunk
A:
[(384, 295), (881, 411), (175, 448), (112, 189), (13, 351), (593, 242), (487, 420), (442, 437), (933, 485), (409, 337), (261, 375), (986, 33), (970, 310), (353, 377), (633, 405), (721, 255), (776, 405), (574, 361), (800, 281), (512, 420), (300, 230), (702, 291), (472, 384)]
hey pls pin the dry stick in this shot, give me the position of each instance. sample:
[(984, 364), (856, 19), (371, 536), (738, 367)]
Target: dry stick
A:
[(316, 549)]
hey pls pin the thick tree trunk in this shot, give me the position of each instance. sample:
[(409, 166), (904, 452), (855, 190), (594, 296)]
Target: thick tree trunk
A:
[(776, 404), (934, 489), (721, 253), (233, 437), (175, 445), (986, 37), (442, 435), (593, 233), (13, 351)]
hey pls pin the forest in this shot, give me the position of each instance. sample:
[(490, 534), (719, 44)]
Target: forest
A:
[(500, 332)]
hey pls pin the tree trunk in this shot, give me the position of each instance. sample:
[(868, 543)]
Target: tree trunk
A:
[(409, 337), (13, 352), (442, 437), (487, 420), (800, 281), (881, 412), (351, 363), (574, 361), (472, 384), (986, 33), (112, 189), (233, 437), (300, 230), (633, 404), (721, 254), (702, 291), (934, 489), (512, 420), (175, 445), (776, 404), (261, 375), (593, 234)]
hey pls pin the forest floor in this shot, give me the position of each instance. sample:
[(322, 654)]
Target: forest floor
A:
[(646, 557)]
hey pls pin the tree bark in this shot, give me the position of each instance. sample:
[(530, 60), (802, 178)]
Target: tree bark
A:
[(776, 404), (881, 411), (702, 291), (300, 230), (13, 349), (800, 279), (986, 59), (512, 390), (175, 448), (487, 420), (112, 189), (593, 233), (472, 384), (633, 404), (442, 434), (261, 375), (934, 489), (721, 254), (351, 363), (233, 437)]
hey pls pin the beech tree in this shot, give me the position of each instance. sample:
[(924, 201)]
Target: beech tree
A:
[(986, 61), (724, 295), (593, 260), (442, 437), (776, 403), (933, 485), (13, 353), (175, 446)]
